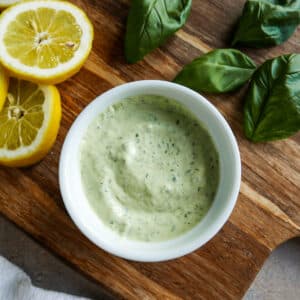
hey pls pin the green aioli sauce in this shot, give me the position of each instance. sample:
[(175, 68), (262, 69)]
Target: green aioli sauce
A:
[(149, 168)]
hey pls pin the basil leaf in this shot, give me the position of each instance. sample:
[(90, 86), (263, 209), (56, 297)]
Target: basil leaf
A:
[(218, 71), (272, 106), (267, 22), (150, 23)]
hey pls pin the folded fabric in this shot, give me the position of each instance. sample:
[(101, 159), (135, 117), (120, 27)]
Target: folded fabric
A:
[(16, 285)]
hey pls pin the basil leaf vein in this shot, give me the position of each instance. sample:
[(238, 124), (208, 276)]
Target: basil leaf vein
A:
[(267, 22), (218, 71), (150, 23), (272, 105)]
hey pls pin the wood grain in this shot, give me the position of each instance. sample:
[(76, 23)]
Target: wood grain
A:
[(268, 209)]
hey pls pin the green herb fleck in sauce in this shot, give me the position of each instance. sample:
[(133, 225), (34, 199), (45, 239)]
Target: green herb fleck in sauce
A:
[(149, 168)]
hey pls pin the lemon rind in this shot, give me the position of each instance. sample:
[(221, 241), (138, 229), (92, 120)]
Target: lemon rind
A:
[(4, 4)]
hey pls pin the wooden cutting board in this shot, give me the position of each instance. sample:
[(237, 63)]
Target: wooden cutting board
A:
[(268, 208)]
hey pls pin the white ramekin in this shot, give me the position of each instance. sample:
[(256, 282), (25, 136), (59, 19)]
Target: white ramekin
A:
[(90, 224)]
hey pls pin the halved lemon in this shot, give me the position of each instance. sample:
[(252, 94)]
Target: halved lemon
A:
[(3, 86), (44, 41), (6, 3), (29, 122)]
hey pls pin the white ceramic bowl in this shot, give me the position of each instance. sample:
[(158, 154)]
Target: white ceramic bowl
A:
[(90, 224)]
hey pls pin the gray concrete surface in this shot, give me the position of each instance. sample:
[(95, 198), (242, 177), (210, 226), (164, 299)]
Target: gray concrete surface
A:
[(279, 278)]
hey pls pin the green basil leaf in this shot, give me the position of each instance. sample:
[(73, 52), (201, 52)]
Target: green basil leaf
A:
[(267, 22), (150, 23), (218, 71), (272, 106)]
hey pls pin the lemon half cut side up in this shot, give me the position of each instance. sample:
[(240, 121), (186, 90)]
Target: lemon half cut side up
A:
[(29, 122), (44, 41)]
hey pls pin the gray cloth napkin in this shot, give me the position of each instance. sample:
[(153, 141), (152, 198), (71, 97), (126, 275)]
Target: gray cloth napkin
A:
[(16, 285)]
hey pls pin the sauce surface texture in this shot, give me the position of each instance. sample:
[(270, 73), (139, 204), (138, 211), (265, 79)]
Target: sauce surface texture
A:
[(149, 168)]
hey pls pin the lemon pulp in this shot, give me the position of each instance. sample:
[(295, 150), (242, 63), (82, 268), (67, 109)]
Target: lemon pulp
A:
[(43, 37), (3, 86), (22, 115)]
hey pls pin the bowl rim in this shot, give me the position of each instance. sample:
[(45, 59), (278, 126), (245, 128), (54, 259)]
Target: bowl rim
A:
[(172, 253)]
